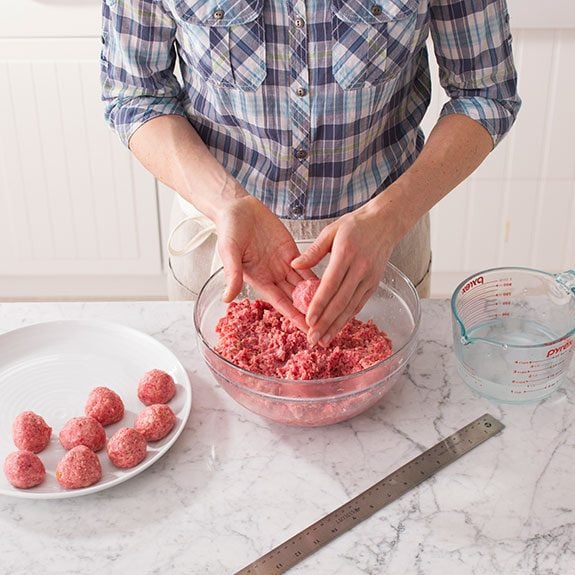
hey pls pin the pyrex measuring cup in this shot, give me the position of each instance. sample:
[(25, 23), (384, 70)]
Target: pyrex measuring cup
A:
[(513, 331)]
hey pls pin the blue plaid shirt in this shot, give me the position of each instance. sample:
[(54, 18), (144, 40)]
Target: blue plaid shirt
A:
[(313, 105)]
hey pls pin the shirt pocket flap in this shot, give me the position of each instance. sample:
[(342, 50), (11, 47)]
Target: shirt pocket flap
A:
[(374, 12), (218, 12)]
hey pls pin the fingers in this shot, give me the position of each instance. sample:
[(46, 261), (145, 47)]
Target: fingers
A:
[(339, 309), (330, 286), (233, 272), (363, 300), (344, 289), (316, 252), (357, 302), (294, 277), (282, 303)]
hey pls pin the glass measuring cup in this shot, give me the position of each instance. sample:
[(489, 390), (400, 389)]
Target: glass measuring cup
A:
[(513, 331)]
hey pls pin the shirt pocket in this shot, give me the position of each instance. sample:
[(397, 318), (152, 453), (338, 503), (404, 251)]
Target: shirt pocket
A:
[(225, 40), (371, 41)]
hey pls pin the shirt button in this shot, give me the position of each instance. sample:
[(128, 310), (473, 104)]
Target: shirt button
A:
[(219, 14), (301, 154), (376, 10), (297, 211), (299, 22), (301, 91)]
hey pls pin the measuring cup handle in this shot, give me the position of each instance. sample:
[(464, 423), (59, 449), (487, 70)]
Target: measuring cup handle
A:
[(567, 280)]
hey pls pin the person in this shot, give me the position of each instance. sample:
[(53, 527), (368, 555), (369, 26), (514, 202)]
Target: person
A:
[(281, 120)]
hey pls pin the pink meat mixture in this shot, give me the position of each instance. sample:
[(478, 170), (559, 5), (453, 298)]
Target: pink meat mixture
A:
[(254, 336), (303, 294)]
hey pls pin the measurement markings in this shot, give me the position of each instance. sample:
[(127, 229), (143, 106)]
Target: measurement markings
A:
[(535, 379), (478, 303), (487, 301), (479, 316)]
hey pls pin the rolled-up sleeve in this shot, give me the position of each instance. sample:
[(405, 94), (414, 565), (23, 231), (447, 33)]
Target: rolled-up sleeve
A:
[(472, 42), (137, 65)]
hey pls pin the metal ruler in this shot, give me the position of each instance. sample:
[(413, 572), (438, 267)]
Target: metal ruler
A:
[(422, 467)]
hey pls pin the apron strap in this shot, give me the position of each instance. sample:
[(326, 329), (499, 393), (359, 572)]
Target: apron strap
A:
[(205, 229)]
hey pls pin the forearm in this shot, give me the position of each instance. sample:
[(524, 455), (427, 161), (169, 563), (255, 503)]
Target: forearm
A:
[(455, 148), (171, 149)]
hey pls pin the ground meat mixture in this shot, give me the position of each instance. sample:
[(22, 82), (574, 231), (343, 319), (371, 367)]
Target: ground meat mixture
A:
[(104, 405), (126, 448), (80, 467), (30, 432), (155, 421), (156, 386), (83, 431), (254, 336), (24, 469), (303, 294)]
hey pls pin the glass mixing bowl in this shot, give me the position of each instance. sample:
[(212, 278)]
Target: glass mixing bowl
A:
[(394, 307)]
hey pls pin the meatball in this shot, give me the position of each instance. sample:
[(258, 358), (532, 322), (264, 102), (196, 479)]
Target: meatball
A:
[(24, 469), (83, 431), (31, 432), (303, 294), (80, 467), (156, 386), (155, 421), (104, 405), (126, 448)]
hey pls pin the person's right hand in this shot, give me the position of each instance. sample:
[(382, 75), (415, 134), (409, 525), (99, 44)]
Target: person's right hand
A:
[(256, 247)]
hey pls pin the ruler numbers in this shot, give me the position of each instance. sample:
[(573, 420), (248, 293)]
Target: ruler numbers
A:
[(402, 480)]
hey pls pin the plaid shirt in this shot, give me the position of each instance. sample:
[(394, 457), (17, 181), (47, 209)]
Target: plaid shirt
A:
[(313, 105)]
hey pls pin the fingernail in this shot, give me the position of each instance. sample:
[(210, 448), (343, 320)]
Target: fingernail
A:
[(313, 338), (324, 341), (312, 320)]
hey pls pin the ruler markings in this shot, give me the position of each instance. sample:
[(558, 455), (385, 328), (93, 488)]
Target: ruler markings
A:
[(363, 506)]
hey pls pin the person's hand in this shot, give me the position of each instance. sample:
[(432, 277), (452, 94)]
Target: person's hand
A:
[(257, 248), (359, 250)]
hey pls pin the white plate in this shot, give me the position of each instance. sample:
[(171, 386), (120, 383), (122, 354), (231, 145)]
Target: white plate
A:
[(50, 368)]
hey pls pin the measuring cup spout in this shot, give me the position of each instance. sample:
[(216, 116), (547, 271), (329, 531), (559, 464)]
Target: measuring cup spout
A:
[(567, 280)]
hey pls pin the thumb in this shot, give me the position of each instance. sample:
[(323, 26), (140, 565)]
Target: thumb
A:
[(233, 271), (315, 253)]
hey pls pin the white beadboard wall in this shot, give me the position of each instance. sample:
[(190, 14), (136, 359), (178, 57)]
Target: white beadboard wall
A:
[(518, 208), (75, 208)]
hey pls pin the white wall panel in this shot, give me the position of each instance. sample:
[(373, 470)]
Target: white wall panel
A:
[(560, 114), (485, 223), (75, 200), (49, 18), (52, 149), (520, 218), (536, 14), (532, 129), (554, 218)]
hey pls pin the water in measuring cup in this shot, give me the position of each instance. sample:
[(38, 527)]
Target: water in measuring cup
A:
[(494, 371), (513, 331)]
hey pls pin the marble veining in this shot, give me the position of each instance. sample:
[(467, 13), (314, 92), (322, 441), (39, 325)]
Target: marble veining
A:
[(234, 485)]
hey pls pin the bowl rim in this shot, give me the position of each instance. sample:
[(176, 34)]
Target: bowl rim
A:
[(288, 382)]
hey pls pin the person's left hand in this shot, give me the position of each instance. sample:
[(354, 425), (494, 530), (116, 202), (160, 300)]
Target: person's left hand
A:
[(360, 249), (255, 246)]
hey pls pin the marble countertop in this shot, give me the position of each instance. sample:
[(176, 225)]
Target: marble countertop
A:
[(234, 485)]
